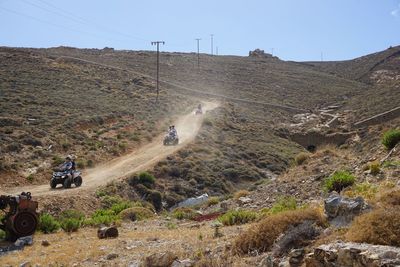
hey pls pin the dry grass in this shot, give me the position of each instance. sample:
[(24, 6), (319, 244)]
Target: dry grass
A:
[(379, 227), (262, 236), (150, 237), (391, 198), (241, 193)]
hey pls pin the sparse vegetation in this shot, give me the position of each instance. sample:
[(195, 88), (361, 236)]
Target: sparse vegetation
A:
[(136, 214), (365, 190), (235, 217), (338, 181), (301, 158), (241, 193), (374, 168), (48, 224), (184, 213), (391, 138), (262, 236), (380, 227), (283, 204)]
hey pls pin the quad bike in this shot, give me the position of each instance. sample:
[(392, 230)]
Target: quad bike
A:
[(171, 140), (62, 177), (198, 111), (21, 219)]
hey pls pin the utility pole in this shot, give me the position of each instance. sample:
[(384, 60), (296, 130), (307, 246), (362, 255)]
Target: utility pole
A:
[(212, 45), (158, 63), (216, 50), (322, 57), (198, 52), (272, 51)]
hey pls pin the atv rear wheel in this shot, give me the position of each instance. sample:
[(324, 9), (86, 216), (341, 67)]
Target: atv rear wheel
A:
[(78, 181), (53, 183), (176, 141), (67, 183)]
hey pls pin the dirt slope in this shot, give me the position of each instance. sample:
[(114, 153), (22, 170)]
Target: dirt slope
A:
[(139, 160)]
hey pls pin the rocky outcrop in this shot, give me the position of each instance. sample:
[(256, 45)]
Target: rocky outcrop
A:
[(353, 254), (341, 210)]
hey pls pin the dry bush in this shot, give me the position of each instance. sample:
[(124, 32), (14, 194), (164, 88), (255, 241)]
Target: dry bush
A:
[(241, 193), (392, 198), (262, 236), (379, 227), (301, 158)]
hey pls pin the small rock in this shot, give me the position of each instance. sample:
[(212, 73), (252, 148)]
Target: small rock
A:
[(23, 241), (152, 239), (25, 264), (183, 263), (45, 243), (112, 256), (160, 259), (244, 200)]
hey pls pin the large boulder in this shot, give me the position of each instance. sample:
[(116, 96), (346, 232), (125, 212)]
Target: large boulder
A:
[(341, 210), (353, 254)]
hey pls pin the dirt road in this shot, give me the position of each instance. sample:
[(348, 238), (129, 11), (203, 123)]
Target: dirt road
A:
[(139, 160)]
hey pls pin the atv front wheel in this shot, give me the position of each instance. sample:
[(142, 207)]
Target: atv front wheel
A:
[(176, 141), (53, 183), (78, 181), (67, 183)]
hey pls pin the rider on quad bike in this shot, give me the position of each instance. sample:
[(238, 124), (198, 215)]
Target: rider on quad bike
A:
[(66, 174), (172, 136), (199, 110)]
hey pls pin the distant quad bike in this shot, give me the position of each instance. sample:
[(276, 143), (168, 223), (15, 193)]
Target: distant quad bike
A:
[(61, 177), (198, 111), (171, 140)]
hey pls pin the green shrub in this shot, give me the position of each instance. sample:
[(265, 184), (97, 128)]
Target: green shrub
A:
[(48, 224), (118, 207), (374, 167), (184, 213), (102, 216), (301, 158), (391, 138), (143, 178), (30, 177), (108, 201), (338, 181), (71, 224), (136, 214), (235, 217), (283, 204), (2, 234), (212, 201), (71, 214), (89, 163)]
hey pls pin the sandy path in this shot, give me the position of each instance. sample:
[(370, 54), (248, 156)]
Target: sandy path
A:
[(139, 160)]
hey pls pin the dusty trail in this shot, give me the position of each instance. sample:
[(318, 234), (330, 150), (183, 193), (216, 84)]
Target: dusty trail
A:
[(139, 160)]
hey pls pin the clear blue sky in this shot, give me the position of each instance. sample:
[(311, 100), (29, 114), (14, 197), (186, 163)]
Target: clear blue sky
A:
[(296, 29)]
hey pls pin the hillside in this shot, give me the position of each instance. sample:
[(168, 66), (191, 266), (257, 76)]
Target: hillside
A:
[(273, 134)]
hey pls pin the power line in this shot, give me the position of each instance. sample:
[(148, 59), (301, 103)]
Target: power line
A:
[(198, 52), (50, 23), (212, 45), (80, 20), (158, 63)]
